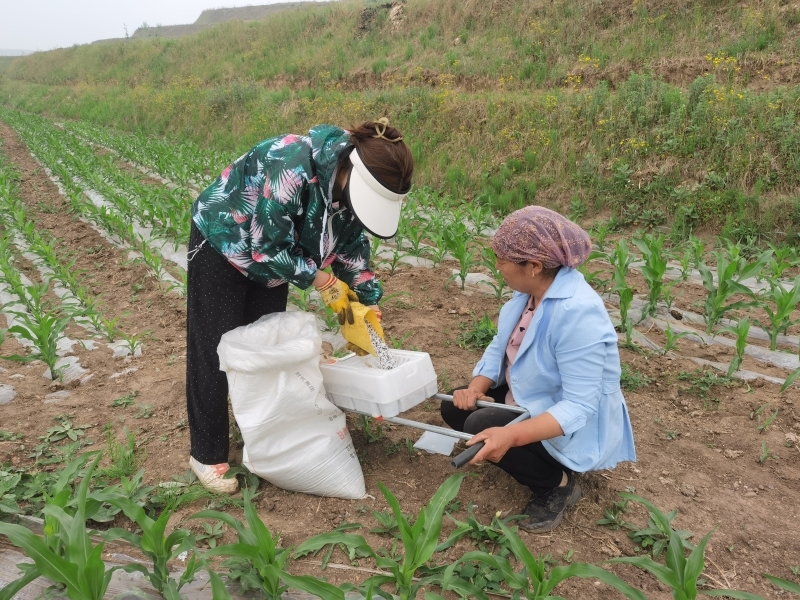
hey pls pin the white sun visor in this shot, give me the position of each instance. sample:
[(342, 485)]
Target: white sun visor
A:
[(375, 205)]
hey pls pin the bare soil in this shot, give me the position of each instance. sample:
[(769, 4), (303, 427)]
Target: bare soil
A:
[(684, 442)]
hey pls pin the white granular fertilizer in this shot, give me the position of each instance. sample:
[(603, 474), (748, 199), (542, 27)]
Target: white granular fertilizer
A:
[(385, 357)]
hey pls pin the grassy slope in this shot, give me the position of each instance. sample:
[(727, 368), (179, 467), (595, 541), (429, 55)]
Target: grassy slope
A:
[(661, 111)]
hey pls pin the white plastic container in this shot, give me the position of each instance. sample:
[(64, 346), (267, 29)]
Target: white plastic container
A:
[(357, 383)]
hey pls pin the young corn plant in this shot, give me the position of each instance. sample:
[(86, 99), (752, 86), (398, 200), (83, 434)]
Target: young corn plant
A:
[(730, 275), (457, 241), (783, 258), (780, 317), (481, 217), (68, 556), (534, 581), (419, 541), (697, 248), (654, 269), (680, 573), (259, 560), (672, 338), (153, 543), (489, 261), (740, 330), (600, 233), (44, 330)]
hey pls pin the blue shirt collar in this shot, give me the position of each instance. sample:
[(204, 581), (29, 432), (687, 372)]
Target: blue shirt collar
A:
[(564, 285)]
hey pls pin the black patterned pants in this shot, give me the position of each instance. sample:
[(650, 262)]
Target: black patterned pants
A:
[(219, 299)]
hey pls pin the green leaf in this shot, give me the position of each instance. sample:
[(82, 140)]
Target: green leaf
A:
[(694, 565), (732, 594), (30, 573), (314, 586), (432, 525), (50, 564), (225, 518), (587, 571), (520, 550), (218, 591), (350, 540), (662, 573), (237, 550), (790, 380), (784, 584)]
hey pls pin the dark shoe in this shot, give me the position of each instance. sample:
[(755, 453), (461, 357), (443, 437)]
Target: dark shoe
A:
[(546, 510)]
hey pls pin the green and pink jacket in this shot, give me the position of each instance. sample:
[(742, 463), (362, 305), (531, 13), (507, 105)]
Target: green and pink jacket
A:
[(271, 214)]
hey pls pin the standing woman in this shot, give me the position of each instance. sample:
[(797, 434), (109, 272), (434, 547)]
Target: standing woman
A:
[(281, 213), (555, 354)]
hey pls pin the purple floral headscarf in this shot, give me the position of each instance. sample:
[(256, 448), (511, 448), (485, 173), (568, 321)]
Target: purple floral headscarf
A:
[(538, 233)]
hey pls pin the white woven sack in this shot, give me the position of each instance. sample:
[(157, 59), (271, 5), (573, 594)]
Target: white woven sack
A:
[(293, 436)]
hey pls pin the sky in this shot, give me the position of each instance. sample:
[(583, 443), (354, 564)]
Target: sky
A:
[(47, 24)]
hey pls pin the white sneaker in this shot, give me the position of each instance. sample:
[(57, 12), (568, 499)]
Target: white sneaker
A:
[(212, 477)]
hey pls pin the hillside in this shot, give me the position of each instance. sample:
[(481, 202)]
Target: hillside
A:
[(213, 16), (658, 112)]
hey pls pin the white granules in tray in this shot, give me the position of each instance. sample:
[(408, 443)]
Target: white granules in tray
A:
[(385, 356)]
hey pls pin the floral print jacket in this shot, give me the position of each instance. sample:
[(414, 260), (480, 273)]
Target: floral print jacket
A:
[(271, 214)]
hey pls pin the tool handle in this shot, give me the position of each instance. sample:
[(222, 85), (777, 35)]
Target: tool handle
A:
[(466, 456)]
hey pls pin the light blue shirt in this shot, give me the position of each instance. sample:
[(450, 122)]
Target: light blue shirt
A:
[(568, 365)]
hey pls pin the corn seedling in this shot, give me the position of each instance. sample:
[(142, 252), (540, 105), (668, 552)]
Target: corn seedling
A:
[(257, 558), (762, 426), (730, 274), (741, 330), (672, 337), (44, 330), (68, 556), (481, 217), (783, 258), (653, 270), (696, 249), (489, 261), (621, 259), (765, 453), (780, 317), (153, 543), (680, 573), (600, 232), (419, 541), (133, 342), (456, 239), (110, 328), (535, 581)]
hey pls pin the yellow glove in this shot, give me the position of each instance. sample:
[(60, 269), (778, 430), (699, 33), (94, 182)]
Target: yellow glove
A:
[(356, 332), (338, 297)]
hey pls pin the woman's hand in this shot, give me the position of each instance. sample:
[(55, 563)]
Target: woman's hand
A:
[(497, 441), (467, 399)]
